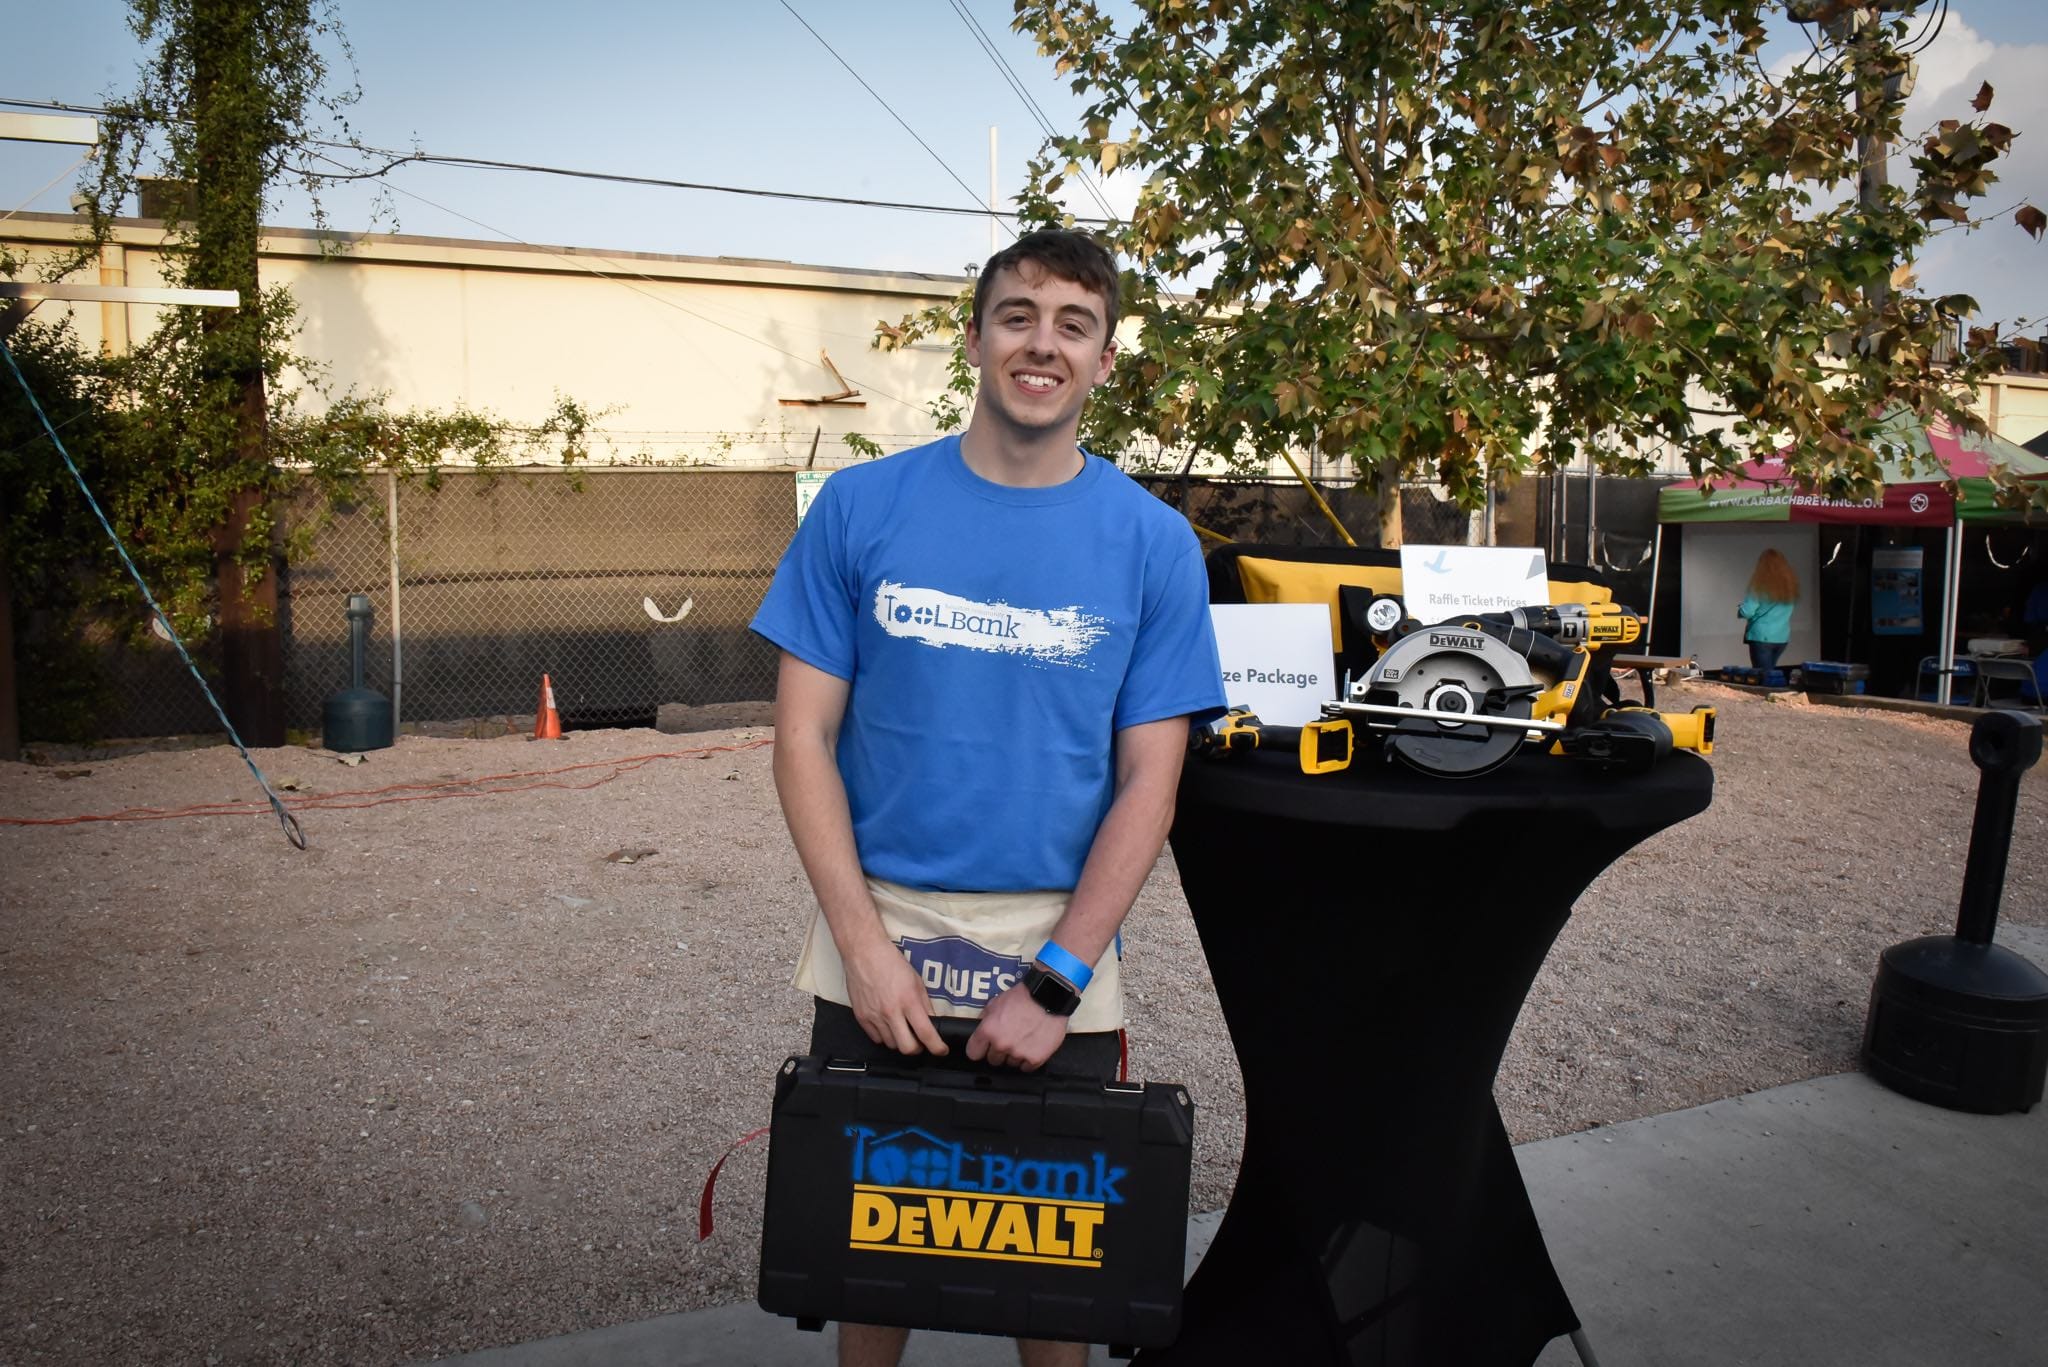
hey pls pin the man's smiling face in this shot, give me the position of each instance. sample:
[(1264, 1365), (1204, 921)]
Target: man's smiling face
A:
[(1041, 345)]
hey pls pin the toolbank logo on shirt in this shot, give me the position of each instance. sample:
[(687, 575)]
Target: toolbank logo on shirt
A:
[(1056, 636)]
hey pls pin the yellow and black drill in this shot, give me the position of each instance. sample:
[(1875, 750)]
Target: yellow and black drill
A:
[(1322, 746)]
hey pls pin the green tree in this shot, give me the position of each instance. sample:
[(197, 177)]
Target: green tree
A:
[(194, 442), (1451, 238), (232, 87)]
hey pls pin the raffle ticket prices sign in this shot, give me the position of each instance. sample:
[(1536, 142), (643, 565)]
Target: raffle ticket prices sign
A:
[(1442, 582)]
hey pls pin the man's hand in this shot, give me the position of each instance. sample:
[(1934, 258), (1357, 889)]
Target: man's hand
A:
[(889, 1001), (1016, 1032)]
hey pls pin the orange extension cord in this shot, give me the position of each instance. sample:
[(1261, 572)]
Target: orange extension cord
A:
[(489, 785)]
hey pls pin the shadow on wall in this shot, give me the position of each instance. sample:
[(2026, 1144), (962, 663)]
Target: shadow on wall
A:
[(337, 325)]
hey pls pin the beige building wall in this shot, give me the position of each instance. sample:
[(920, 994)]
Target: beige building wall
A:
[(694, 357), (2015, 406)]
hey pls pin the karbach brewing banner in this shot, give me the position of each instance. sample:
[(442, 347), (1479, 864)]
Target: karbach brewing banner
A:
[(997, 1203)]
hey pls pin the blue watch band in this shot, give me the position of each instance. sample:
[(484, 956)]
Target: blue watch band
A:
[(1066, 965)]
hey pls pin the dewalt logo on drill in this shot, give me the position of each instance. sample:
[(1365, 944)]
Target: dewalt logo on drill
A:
[(916, 1193)]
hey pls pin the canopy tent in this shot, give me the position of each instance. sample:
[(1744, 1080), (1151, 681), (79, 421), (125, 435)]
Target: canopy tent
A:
[(1919, 461), (1933, 476)]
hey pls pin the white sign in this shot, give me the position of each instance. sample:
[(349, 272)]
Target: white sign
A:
[(1442, 582), (808, 482), (1277, 659)]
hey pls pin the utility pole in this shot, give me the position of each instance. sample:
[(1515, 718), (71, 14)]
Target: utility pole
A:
[(232, 156)]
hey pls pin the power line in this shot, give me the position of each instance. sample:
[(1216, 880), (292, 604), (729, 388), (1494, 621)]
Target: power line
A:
[(1038, 113), (580, 262), (398, 159), (892, 113), (50, 184), (619, 279), (1009, 75)]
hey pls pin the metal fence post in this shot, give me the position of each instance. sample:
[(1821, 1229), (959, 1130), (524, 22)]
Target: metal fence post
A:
[(397, 636)]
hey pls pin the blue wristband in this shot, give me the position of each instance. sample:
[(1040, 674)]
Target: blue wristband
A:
[(1066, 965)]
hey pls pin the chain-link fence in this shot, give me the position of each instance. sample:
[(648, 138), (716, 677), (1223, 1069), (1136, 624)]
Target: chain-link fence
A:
[(629, 588)]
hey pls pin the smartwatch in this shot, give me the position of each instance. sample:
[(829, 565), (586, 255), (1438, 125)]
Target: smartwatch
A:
[(1052, 992)]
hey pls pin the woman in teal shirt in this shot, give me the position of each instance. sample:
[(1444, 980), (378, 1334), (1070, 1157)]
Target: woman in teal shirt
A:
[(1767, 609)]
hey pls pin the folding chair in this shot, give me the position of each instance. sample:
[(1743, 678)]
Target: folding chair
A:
[(1991, 669), (1963, 676)]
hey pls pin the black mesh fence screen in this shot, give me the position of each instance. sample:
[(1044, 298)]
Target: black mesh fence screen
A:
[(633, 588)]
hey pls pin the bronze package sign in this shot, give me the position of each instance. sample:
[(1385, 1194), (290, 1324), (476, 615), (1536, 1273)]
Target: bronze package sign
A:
[(985, 1203)]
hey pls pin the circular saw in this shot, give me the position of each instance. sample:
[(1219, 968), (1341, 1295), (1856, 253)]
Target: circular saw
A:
[(1450, 700)]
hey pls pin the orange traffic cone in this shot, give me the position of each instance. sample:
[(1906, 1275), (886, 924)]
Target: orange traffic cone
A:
[(547, 723)]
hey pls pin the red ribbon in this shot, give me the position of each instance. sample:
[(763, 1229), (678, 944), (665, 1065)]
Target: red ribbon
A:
[(704, 1202)]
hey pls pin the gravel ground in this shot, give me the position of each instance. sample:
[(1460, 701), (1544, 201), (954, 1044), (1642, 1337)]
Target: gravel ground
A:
[(452, 1078)]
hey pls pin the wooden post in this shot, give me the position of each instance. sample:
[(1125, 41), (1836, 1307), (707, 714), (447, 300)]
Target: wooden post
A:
[(228, 202), (10, 715)]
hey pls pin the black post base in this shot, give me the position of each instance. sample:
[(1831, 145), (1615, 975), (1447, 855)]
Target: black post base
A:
[(1958, 1024)]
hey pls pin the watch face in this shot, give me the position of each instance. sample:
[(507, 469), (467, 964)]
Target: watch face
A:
[(1051, 993)]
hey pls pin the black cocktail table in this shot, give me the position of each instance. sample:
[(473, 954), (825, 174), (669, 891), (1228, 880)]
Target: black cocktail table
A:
[(1372, 934)]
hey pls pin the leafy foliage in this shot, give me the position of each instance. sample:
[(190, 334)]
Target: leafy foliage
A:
[(195, 440), (133, 426), (1443, 238)]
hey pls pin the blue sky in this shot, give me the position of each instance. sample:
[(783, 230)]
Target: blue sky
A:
[(742, 94)]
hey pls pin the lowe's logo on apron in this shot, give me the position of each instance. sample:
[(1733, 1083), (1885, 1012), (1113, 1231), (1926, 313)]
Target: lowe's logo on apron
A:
[(960, 971)]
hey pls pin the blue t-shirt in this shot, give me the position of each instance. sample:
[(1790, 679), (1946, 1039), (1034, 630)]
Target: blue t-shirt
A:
[(995, 639)]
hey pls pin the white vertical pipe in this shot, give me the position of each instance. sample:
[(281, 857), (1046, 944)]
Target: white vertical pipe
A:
[(1951, 588), (397, 656), (1656, 566), (994, 225), (1592, 473)]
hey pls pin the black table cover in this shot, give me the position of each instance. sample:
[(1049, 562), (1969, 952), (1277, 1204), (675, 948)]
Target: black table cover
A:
[(1372, 934)]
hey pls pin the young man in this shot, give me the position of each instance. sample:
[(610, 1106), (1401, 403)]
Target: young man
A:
[(992, 647)]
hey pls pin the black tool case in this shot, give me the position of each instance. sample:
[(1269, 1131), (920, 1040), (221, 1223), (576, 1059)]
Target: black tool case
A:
[(992, 1203)]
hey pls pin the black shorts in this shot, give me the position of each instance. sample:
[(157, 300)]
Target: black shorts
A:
[(835, 1033)]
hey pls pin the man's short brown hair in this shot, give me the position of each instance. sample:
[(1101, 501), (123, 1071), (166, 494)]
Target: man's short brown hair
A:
[(1068, 254)]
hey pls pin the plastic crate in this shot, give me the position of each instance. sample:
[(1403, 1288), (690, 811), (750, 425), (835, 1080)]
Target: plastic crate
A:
[(1834, 676)]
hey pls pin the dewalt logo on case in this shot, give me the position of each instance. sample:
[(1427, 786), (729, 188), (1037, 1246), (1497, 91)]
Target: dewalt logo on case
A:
[(916, 1193)]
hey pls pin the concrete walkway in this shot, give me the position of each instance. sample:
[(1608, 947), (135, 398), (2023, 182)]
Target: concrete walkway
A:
[(1827, 1222)]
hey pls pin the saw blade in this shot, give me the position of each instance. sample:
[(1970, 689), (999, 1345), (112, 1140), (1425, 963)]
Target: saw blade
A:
[(1455, 670)]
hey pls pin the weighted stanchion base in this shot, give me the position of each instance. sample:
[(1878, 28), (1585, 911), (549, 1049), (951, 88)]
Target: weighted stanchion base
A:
[(1958, 1024)]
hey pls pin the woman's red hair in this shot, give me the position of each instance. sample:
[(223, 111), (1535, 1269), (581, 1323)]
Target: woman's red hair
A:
[(1773, 578)]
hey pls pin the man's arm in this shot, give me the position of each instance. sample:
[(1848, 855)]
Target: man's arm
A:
[(888, 998), (1015, 1030)]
